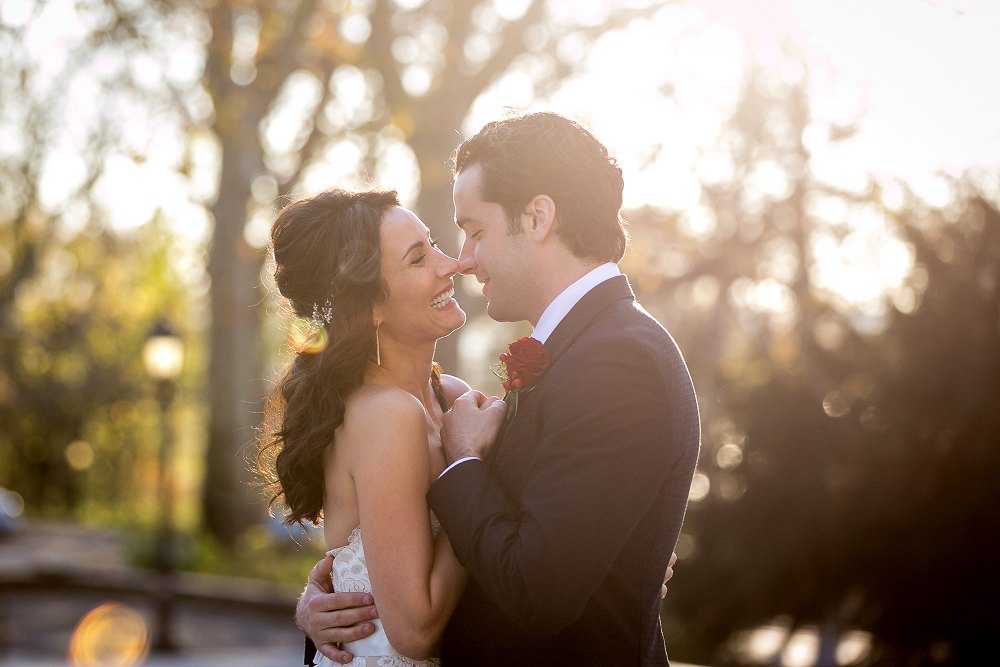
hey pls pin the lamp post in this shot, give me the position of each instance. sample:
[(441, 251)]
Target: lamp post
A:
[(163, 356)]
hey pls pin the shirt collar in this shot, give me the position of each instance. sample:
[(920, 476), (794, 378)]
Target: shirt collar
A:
[(562, 304)]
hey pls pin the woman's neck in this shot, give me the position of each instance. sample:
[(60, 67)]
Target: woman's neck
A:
[(406, 368)]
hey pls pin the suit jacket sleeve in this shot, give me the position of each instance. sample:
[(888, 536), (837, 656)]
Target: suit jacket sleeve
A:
[(611, 440)]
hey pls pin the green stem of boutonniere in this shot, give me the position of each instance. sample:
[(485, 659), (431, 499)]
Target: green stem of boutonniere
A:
[(512, 404)]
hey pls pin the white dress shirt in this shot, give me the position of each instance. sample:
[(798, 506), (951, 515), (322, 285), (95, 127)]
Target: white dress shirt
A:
[(557, 310)]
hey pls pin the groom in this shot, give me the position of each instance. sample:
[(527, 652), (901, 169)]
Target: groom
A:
[(567, 520)]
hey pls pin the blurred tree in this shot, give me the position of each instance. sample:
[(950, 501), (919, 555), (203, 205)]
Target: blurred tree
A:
[(76, 298), (846, 347), (76, 412)]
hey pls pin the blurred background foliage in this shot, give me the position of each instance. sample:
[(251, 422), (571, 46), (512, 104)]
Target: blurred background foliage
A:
[(844, 339)]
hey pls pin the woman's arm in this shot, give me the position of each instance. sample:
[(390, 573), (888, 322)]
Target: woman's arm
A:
[(416, 581)]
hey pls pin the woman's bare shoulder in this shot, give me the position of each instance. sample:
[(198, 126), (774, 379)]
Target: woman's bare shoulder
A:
[(453, 387), (378, 412), (384, 435), (382, 401)]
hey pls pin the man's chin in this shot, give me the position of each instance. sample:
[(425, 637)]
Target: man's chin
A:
[(500, 314)]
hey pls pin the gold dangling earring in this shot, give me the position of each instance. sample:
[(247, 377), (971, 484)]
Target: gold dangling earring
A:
[(378, 349)]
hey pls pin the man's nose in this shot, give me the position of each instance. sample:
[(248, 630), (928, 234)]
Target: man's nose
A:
[(466, 261)]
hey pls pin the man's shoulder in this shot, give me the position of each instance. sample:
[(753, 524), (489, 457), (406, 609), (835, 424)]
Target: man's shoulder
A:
[(630, 344), (626, 323)]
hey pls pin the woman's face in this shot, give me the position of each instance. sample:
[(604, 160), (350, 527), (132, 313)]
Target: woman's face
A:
[(420, 281)]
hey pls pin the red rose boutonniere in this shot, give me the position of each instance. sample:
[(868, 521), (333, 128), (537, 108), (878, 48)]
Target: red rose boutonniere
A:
[(521, 367)]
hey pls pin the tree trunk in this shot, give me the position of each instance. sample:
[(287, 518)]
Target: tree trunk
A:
[(236, 384)]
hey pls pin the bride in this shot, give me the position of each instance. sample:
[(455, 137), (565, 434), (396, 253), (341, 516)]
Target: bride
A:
[(351, 432)]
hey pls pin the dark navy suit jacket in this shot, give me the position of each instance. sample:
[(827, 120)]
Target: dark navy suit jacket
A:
[(567, 525)]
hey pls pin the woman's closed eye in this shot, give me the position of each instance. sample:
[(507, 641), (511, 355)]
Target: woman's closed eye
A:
[(422, 256)]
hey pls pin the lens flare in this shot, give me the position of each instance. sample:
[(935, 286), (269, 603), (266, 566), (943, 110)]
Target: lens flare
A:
[(110, 635), (306, 337)]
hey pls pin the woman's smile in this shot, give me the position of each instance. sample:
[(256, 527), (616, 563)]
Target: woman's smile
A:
[(444, 298)]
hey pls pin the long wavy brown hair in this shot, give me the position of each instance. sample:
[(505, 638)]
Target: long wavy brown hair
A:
[(326, 248)]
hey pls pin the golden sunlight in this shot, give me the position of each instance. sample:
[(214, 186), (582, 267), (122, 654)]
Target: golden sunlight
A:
[(658, 91)]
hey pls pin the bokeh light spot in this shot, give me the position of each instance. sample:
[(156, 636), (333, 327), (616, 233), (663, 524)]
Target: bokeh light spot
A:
[(111, 635), (874, 420), (762, 644), (686, 547), (836, 404), (731, 487), (79, 455), (700, 486), (11, 503), (802, 648), (853, 647), (729, 456)]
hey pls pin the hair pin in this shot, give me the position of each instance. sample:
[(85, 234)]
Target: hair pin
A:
[(321, 316)]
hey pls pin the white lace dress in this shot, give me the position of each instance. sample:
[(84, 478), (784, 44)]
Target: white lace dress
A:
[(350, 575)]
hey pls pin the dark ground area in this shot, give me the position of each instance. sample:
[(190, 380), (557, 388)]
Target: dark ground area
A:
[(52, 575)]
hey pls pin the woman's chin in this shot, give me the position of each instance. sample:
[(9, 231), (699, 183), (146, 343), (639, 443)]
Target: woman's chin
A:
[(457, 319)]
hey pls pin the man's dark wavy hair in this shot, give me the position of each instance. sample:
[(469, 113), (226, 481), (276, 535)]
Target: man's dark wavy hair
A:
[(545, 153)]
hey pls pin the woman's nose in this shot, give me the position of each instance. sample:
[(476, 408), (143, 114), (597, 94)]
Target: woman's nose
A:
[(449, 266)]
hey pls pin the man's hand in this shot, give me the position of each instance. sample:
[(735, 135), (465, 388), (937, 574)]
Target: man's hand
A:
[(331, 618), (668, 574), (470, 428)]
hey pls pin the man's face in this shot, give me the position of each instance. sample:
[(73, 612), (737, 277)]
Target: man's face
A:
[(498, 259)]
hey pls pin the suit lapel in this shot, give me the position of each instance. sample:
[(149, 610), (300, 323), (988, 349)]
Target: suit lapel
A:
[(577, 319), (568, 330)]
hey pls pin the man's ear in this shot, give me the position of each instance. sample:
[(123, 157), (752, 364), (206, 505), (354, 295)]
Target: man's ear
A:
[(541, 217)]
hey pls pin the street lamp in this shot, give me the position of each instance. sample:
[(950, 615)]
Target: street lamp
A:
[(163, 353), (163, 356)]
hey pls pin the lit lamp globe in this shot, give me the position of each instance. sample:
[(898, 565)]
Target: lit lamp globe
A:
[(163, 353)]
